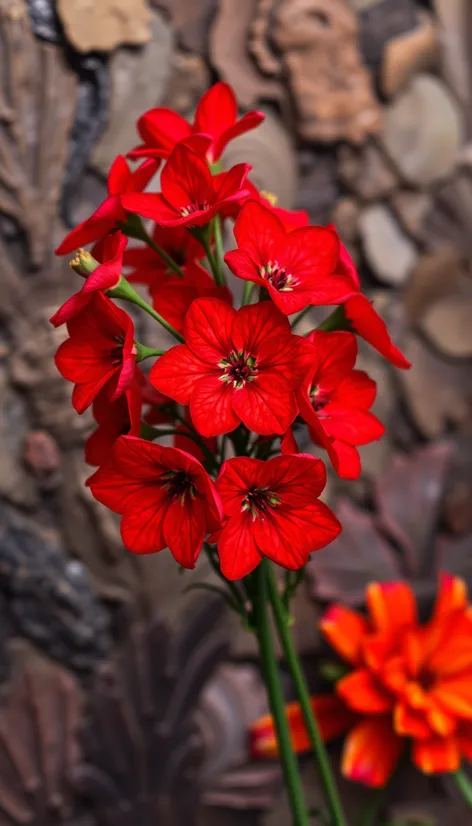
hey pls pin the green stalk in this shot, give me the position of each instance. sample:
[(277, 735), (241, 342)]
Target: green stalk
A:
[(126, 292), (282, 622), (464, 785), (247, 293), (276, 699), (372, 811), (219, 252), (134, 228)]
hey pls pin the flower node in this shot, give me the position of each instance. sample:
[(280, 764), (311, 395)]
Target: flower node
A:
[(178, 485), (239, 368), (259, 501), (277, 276)]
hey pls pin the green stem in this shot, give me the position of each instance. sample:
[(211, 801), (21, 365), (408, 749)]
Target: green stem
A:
[(247, 293), (276, 698), (219, 252), (146, 352), (464, 785), (335, 321), (135, 229), (372, 811), (128, 293), (327, 779), (300, 315)]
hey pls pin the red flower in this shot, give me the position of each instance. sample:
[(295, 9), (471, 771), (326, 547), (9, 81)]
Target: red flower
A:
[(358, 315), (191, 195), (236, 366), (110, 214), (297, 267), (105, 277), (99, 353), (291, 218), (173, 296), (409, 682), (183, 440), (165, 496), (334, 400), (149, 268), (272, 509), (216, 122), (114, 419)]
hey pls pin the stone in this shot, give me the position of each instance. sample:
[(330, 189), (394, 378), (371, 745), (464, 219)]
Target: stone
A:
[(331, 87), (345, 217), (436, 275), (447, 323), (16, 484), (139, 81), (41, 453), (409, 53), (454, 18), (271, 152), (101, 27), (411, 208), (318, 190), (379, 21), (389, 252), (366, 171), (189, 79), (423, 131)]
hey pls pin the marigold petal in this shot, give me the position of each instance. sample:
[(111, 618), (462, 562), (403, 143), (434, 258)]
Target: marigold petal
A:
[(455, 694), (331, 714), (371, 752), (345, 630), (362, 692), (392, 606), (436, 755), (410, 723), (452, 597)]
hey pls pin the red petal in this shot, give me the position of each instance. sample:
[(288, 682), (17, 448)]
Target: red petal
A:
[(242, 265), (437, 755), (236, 477), (371, 752), (290, 535), (356, 390), (336, 354), (363, 693), (162, 128), (350, 425), (103, 220), (186, 179), (257, 231), (266, 405), (176, 373), (249, 121), (411, 723), (141, 176), (118, 176), (344, 629), (184, 531), (237, 550), (142, 527), (208, 329), (392, 606), (211, 407), (217, 110), (452, 597), (346, 461), (74, 305), (112, 488), (366, 322), (152, 206)]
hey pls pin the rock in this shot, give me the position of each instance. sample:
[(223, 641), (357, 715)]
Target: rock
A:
[(330, 86), (139, 80), (423, 131), (436, 391), (41, 452), (389, 252), (101, 27), (270, 151), (345, 217), (190, 78), (190, 21), (318, 191), (436, 275), (228, 45), (16, 484), (447, 323), (379, 22), (366, 171), (454, 19), (411, 208), (409, 53), (448, 221)]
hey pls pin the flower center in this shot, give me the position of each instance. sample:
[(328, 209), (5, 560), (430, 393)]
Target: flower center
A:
[(191, 208), (116, 353), (277, 276), (426, 680), (178, 485), (259, 501), (319, 399), (239, 367)]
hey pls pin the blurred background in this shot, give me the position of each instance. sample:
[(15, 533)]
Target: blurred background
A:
[(125, 699)]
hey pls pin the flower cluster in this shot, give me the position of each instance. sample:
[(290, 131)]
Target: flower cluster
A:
[(406, 683), (237, 379)]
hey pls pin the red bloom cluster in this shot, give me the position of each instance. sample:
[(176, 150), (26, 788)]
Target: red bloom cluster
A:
[(239, 378), (409, 683)]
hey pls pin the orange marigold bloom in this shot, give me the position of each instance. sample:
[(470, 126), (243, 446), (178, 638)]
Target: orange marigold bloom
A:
[(409, 683)]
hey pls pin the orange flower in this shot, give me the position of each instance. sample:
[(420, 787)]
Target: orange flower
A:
[(410, 683)]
